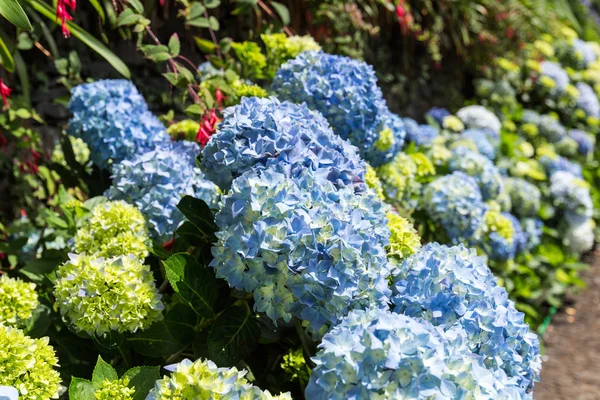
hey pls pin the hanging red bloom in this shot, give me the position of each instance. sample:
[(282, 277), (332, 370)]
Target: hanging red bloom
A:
[(63, 15), (207, 127), (4, 92), (220, 97)]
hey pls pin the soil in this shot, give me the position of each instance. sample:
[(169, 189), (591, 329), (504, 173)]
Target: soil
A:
[(571, 364)]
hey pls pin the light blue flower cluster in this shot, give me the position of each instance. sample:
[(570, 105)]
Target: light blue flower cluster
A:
[(304, 249), (345, 91), (533, 230), (451, 286), (392, 133), (421, 135), (377, 354), (454, 201), (556, 73), (484, 171), (525, 197), (438, 114), (572, 195), (558, 163), (112, 118), (485, 140), (519, 238), (479, 117), (155, 182), (588, 100), (588, 55), (579, 236), (267, 131), (551, 128), (585, 142)]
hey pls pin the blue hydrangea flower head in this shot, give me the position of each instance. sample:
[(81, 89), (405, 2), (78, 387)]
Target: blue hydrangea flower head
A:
[(479, 117), (572, 194), (557, 73), (377, 354), (585, 141), (551, 128), (303, 249), (525, 197), (587, 52), (261, 131), (112, 118), (391, 134), (438, 114), (519, 238), (533, 230), (155, 182), (530, 117), (454, 201), (421, 135), (558, 163), (485, 140), (484, 171), (344, 90), (451, 286), (588, 100), (579, 236)]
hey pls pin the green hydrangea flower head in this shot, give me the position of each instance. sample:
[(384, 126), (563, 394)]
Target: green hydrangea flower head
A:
[(547, 82), (424, 165), (114, 228), (453, 123), (253, 60), (509, 125), (186, 129), (115, 390), (18, 299), (202, 379), (99, 295), (372, 181), (494, 221), (572, 91), (386, 140), (529, 129), (294, 365), (28, 365), (281, 48), (507, 65), (243, 89), (439, 154), (404, 239), (544, 47), (80, 150)]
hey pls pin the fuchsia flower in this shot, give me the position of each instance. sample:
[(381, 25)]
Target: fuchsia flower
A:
[(4, 92), (63, 15), (207, 127), (220, 97)]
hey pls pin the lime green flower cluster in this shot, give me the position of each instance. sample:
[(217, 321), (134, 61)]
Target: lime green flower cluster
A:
[(281, 48), (404, 239), (243, 89), (202, 379), (99, 295), (494, 221), (453, 123), (28, 365), (372, 181), (80, 150), (115, 228), (186, 129), (253, 60), (386, 140), (18, 299), (294, 365), (115, 390)]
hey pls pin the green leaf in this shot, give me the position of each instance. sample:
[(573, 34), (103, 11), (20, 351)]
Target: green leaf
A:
[(6, 58), (159, 57), (213, 23), (199, 22), (81, 389), (283, 12), (98, 9), (212, 3), (137, 5), (199, 214), (84, 37), (196, 10), (128, 17), (103, 371), (168, 336), (174, 45), (193, 282), (142, 379), (204, 45), (13, 12), (234, 335)]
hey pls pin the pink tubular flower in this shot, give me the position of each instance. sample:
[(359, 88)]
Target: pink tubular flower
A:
[(4, 92), (207, 127), (63, 15), (220, 97)]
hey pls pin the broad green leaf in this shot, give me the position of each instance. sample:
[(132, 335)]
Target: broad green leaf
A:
[(234, 335), (142, 379), (207, 46), (193, 282), (213, 23), (196, 10), (283, 12), (6, 58), (199, 22), (168, 336), (174, 45), (212, 3), (199, 214), (81, 389), (84, 37), (13, 12), (99, 9), (103, 371), (137, 5)]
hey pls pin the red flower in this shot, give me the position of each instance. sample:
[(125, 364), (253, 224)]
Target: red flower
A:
[(3, 140), (207, 127), (220, 97), (63, 15), (4, 92)]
